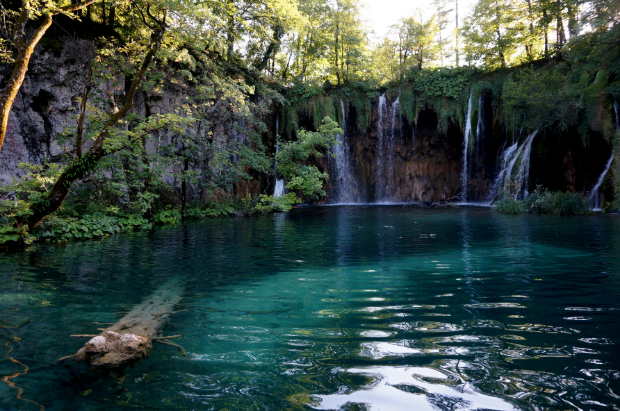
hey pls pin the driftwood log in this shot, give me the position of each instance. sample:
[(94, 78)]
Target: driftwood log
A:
[(130, 340)]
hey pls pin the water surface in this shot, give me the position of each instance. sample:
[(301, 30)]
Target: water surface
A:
[(378, 308)]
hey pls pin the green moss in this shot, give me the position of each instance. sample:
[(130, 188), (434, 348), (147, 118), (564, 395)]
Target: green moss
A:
[(363, 107)]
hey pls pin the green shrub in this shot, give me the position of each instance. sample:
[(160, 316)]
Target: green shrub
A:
[(565, 204), (167, 217), (56, 228), (271, 204), (509, 206), (214, 210), (8, 234), (544, 201)]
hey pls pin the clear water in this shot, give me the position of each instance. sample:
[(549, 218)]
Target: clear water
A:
[(382, 308)]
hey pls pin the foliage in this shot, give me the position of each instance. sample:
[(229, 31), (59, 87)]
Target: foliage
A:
[(544, 201), (509, 206), (292, 156), (214, 210), (16, 197), (541, 98), (167, 217), (89, 226), (271, 204)]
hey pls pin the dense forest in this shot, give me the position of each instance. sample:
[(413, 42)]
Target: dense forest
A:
[(179, 110)]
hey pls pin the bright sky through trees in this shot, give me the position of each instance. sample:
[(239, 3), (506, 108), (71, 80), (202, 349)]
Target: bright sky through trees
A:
[(381, 14)]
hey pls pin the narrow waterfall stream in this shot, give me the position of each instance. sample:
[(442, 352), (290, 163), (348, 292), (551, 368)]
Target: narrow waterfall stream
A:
[(466, 150), (279, 189), (480, 124), (382, 152), (390, 149), (595, 195), (345, 184)]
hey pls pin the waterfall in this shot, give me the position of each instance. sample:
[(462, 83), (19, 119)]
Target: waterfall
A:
[(480, 125), (381, 174), (465, 150), (279, 189), (508, 161), (616, 109), (523, 176), (391, 189), (385, 186), (345, 184), (595, 198)]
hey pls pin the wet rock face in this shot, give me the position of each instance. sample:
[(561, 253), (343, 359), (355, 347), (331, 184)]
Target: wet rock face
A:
[(412, 164), (47, 105)]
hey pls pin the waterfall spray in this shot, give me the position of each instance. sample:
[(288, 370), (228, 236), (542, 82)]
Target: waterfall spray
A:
[(465, 150)]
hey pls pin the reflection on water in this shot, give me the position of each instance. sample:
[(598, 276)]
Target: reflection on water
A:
[(412, 388), (382, 308)]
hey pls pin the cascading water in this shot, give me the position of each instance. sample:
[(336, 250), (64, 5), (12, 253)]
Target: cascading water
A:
[(386, 149), (382, 173), (480, 124), (509, 159), (390, 150), (506, 159), (465, 150), (345, 184), (279, 189), (595, 195), (523, 176), (616, 110), (595, 198)]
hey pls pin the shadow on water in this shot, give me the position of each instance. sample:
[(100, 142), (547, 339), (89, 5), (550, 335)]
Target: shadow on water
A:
[(329, 307)]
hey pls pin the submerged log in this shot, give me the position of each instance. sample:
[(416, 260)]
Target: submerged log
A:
[(130, 340)]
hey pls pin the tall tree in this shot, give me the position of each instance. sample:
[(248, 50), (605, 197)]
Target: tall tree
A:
[(491, 33)]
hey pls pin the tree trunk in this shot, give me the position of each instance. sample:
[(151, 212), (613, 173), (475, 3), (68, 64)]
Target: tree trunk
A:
[(230, 32), (278, 32), (336, 50), (80, 127), (24, 53), (145, 160), (129, 340), (457, 33), (184, 188), (546, 34), (112, 16)]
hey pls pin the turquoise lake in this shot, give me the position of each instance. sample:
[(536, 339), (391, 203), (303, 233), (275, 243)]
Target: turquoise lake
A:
[(327, 308)]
